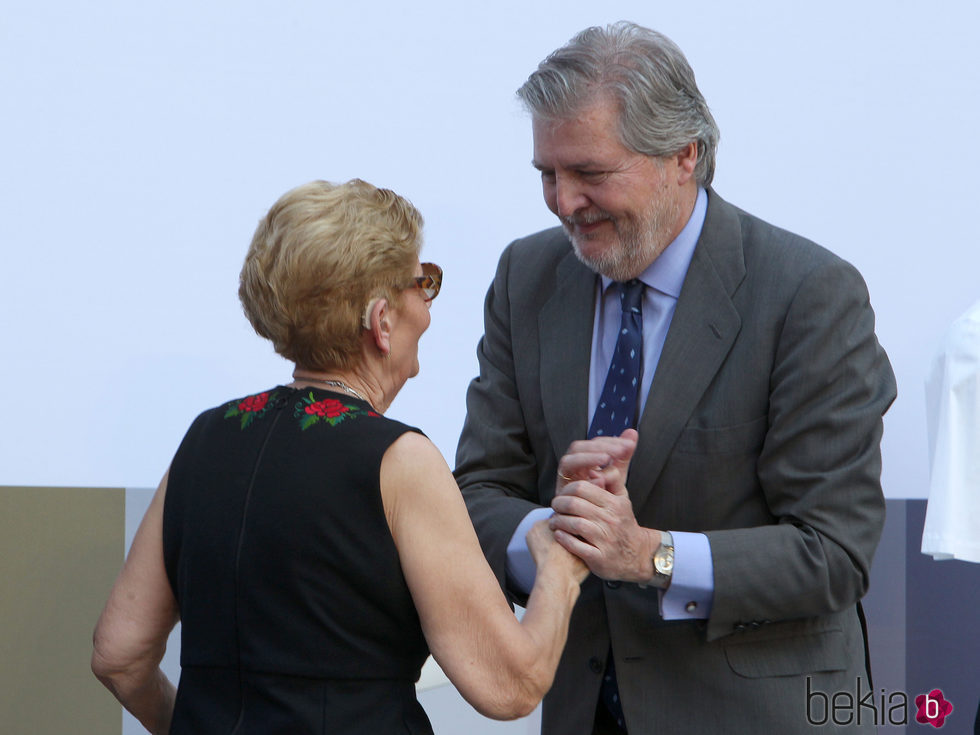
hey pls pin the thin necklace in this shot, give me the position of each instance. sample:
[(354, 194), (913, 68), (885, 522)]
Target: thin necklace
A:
[(336, 384)]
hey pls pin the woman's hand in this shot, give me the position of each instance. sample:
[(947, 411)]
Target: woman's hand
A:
[(547, 552), (501, 665)]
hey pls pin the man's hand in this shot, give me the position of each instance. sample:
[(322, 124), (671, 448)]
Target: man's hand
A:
[(593, 514), (588, 455)]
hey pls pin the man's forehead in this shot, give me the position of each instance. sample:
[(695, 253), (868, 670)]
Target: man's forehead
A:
[(583, 141)]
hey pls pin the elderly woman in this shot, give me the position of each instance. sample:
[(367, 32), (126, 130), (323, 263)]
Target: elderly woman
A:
[(315, 550)]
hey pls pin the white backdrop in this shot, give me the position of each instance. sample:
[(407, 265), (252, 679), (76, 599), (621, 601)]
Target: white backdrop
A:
[(141, 142)]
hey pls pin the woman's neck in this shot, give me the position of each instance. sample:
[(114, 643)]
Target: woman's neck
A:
[(344, 381)]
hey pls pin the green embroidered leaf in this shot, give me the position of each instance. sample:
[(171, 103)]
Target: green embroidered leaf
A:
[(308, 421)]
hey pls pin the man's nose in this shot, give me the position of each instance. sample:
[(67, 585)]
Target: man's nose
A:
[(569, 196)]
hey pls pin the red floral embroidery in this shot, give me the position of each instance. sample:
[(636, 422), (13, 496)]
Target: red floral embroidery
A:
[(254, 403), (311, 411), (330, 408), (250, 408)]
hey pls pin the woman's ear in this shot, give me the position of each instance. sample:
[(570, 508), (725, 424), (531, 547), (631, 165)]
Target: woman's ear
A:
[(377, 320)]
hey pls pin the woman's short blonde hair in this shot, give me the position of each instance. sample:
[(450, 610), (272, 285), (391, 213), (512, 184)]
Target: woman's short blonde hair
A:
[(318, 258)]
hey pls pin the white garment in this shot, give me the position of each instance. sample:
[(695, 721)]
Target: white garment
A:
[(952, 527)]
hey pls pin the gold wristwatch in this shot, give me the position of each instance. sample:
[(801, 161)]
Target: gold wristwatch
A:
[(663, 562)]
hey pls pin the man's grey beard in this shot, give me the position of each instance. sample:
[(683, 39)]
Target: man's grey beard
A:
[(641, 243)]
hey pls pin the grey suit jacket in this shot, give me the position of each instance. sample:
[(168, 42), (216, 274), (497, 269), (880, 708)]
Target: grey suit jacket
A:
[(762, 429)]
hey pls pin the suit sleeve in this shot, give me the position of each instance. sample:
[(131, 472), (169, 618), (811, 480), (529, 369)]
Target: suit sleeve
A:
[(496, 469), (819, 467)]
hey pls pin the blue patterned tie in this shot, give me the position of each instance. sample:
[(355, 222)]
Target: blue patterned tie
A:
[(617, 411)]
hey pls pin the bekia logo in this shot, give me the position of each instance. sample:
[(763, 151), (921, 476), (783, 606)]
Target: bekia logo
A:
[(862, 707), (933, 708)]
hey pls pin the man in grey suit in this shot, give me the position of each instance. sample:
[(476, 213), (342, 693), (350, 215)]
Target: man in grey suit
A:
[(727, 572)]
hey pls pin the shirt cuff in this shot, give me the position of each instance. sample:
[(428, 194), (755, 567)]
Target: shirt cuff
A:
[(692, 587), (521, 568)]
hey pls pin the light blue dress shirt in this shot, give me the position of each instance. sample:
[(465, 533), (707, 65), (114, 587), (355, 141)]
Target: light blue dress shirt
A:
[(692, 583)]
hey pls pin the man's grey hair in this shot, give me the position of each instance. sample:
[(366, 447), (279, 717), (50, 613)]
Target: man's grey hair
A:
[(661, 108)]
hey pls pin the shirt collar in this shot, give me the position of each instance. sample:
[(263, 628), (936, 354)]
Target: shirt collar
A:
[(668, 270)]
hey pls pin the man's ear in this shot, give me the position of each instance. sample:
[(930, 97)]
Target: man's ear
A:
[(687, 159), (377, 320)]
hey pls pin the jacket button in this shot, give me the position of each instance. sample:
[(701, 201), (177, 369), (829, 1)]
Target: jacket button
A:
[(740, 627), (613, 584), (755, 625), (595, 665)]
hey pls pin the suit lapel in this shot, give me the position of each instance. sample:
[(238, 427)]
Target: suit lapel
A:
[(565, 325), (702, 331)]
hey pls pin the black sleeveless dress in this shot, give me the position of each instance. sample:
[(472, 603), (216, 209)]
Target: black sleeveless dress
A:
[(295, 615)]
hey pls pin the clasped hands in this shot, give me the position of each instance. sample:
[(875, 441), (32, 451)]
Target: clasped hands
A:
[(593, 514)]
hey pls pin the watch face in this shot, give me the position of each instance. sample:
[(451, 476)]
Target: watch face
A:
[(663, 561)]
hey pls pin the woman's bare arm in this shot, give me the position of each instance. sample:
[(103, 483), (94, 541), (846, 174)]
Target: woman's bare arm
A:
[(501, 666), (131, 635)]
